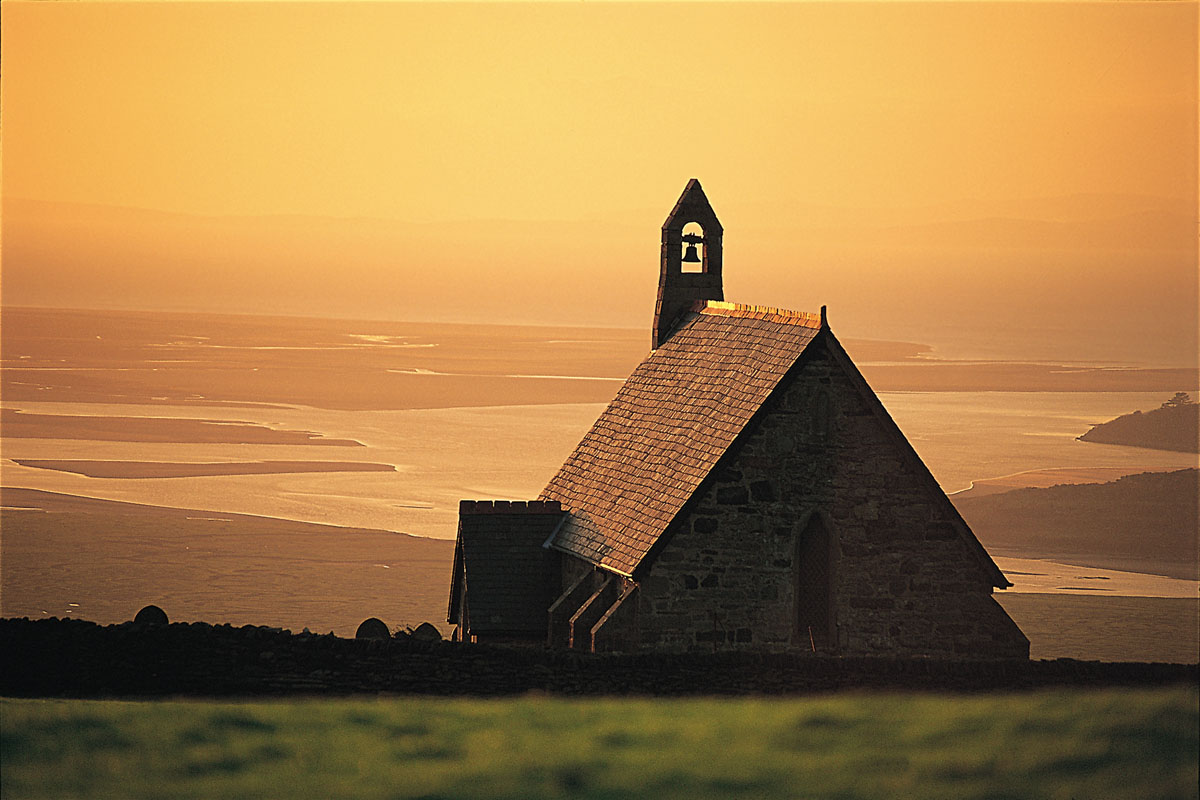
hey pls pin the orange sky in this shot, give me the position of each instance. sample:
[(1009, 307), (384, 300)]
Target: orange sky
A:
[(870, 156)]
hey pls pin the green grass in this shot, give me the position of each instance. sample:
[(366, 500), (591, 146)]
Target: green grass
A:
[(1062, 744)]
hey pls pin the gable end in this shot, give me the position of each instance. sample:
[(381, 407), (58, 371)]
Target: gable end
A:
[(905, 448)]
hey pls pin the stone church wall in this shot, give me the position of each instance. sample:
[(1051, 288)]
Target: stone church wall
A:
[(904, 580)]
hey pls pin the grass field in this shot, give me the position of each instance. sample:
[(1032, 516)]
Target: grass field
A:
[(1062, 744)]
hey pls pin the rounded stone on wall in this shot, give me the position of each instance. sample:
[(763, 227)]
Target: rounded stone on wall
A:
[(373, 628), (425, 632), (151, 615)]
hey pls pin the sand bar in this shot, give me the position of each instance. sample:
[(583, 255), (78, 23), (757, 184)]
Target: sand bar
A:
[(391, 386), (441, 456), (1041, 576), (20, 424), (174, 359), (103, 560), (169, 469)]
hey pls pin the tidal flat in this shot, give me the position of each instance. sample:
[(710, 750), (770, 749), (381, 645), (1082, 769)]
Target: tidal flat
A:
[(220, 444)]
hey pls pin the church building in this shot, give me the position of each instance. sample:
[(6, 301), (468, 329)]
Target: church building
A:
[(745, 489)]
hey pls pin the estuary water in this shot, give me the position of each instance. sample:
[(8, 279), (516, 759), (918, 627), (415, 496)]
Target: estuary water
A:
[(430, 414)]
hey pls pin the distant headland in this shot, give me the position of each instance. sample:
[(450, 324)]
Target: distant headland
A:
[(1173, 426)]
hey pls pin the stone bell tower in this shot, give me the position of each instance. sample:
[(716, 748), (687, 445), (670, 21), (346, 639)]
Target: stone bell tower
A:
[(686, 276)]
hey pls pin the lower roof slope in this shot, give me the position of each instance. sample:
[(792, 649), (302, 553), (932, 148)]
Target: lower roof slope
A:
[(671, 421)]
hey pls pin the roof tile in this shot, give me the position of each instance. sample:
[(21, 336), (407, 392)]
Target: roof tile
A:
[(670, 422)]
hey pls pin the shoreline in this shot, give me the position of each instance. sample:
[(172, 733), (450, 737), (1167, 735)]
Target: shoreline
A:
[(102, 560), (1100, 581), (1045, 478), (1019, 561)]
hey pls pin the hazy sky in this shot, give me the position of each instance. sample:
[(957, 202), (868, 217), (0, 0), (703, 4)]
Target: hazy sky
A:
[(515, 161)]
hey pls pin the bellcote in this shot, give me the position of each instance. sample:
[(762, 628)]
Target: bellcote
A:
[(690, 260)]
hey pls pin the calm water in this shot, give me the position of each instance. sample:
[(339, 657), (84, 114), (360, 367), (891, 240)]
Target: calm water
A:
[(444, 455), (460, 412)]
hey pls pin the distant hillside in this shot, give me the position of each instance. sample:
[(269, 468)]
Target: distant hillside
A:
[(1174, 426), (1140, 523)]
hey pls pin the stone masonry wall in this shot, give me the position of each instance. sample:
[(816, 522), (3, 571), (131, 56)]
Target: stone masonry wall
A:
[(73, 658), (904, 580)]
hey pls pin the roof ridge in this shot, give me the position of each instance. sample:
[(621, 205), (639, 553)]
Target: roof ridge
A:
[(727, 309)]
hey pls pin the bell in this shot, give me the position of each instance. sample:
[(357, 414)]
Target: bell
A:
[(690, 256)]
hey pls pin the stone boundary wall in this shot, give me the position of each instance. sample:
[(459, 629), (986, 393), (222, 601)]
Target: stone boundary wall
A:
[(75, 658)]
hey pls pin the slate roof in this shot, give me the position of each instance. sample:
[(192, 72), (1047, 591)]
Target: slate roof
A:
[(500, 556), (671, 421)]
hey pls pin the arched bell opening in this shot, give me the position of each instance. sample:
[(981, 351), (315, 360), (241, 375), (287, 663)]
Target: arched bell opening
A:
[(690, 263), (693, 256)]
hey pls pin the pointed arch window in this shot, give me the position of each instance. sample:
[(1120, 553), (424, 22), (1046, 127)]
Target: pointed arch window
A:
[(816, 620)]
